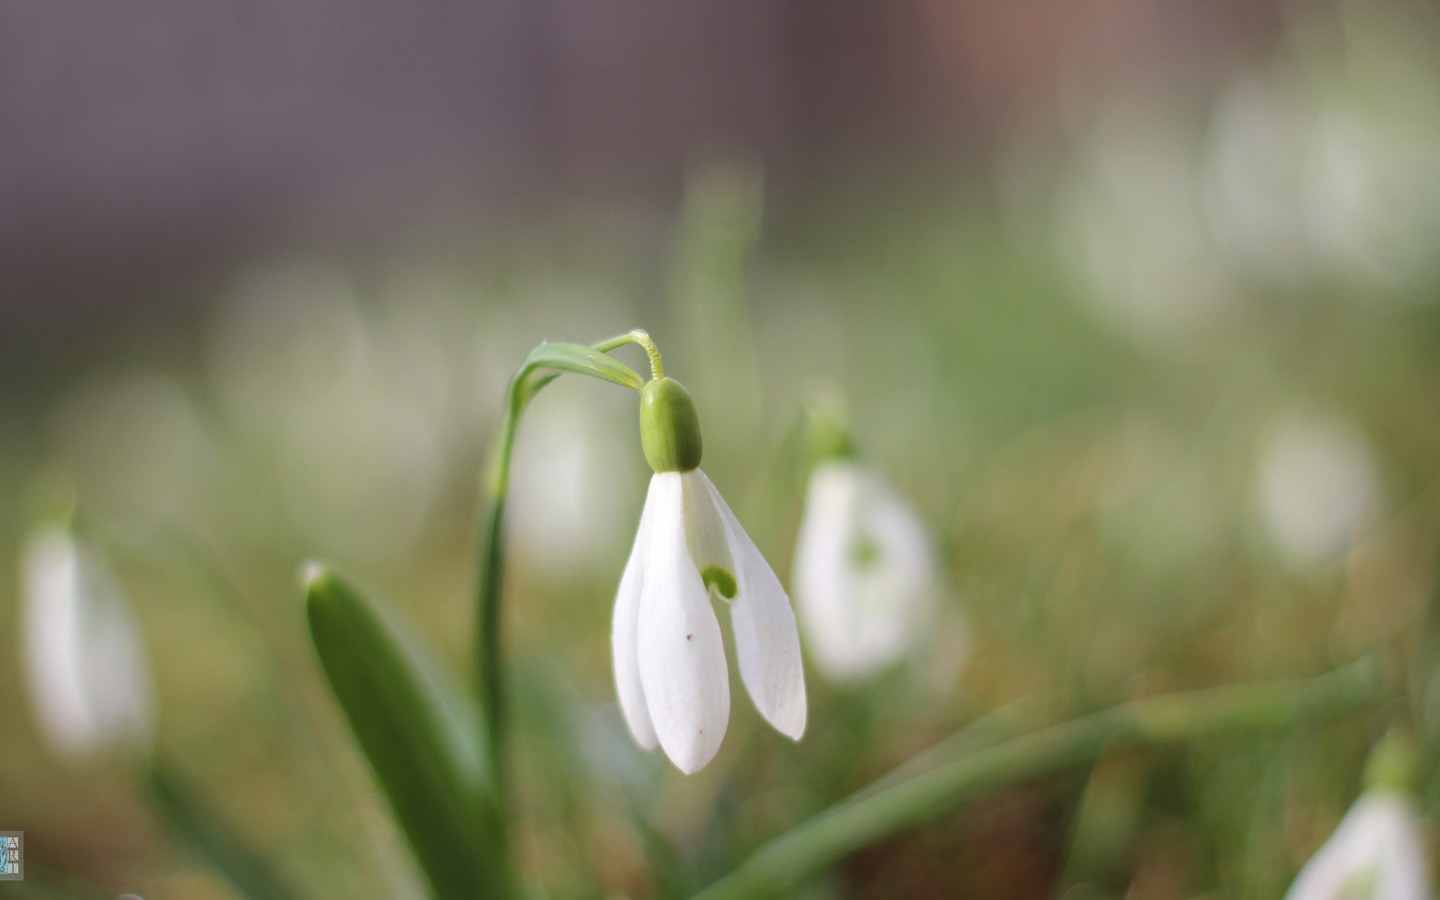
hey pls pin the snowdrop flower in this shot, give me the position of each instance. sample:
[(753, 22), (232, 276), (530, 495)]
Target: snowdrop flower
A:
[(1318, 488), (670, 668), (84, 654), (864, 571), (1378, 851)]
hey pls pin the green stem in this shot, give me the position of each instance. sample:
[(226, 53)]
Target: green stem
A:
[(829, 837), (641, 337), (490, 668)]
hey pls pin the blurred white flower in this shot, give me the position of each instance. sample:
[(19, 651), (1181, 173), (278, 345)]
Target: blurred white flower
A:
[(1374, 189), (1130, 224), (84, 653), (1256, 178), (864, 572), (1318, 489), (567, 485), (349, 407), (1377, 853), (670, 670), (1329, 165)]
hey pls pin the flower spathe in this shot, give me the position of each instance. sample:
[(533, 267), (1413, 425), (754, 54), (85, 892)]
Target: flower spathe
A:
[(670, 669), (865, 579), (1376, 853), (84, 654)]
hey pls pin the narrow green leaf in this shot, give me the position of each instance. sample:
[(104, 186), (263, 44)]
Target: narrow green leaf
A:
[(419, 734), (570, 357), (532, 385), (208, 835)]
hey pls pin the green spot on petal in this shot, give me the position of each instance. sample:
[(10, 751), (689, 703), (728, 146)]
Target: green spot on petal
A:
[(865, 553), (721, 580)]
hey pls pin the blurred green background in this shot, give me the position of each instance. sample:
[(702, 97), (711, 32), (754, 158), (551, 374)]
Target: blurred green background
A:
[(1138, 304)]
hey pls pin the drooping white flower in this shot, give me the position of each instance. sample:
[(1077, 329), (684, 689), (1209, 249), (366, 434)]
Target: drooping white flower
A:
[(864, 572), (1318, 488), (1377, 853), (670, 668), (84, 654)]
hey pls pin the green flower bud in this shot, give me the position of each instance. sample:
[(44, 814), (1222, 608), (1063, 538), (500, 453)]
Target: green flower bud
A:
[(1392, 762), (669, 426), (826, 437)]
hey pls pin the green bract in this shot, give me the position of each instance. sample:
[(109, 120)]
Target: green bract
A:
[(669, 426)]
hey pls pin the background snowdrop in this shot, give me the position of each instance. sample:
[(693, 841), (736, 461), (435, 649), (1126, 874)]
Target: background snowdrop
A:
[(568, 486), (864, 572), (84, 653), (1378, 850), (1318, 488)]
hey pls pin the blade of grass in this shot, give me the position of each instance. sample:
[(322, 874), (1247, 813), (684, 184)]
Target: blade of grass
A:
[(204, 830), (790, 859)]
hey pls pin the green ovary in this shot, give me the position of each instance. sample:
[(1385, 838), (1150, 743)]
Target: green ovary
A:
[(721, 580)]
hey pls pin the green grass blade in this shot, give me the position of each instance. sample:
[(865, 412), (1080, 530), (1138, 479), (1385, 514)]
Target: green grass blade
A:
[(208, 835), (789, 860), (419, 734)]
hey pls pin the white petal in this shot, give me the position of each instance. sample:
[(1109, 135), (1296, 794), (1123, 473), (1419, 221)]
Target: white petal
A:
[(85, 655), (705, 536), (864, 572), (54, 652), (824, 588), (1403, 868), (1378, 847), (682, 656), (905, 574), (121, 693), (767, 644), (624, 630)]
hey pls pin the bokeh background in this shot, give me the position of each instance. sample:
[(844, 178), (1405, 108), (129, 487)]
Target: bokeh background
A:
[(1137, 302)]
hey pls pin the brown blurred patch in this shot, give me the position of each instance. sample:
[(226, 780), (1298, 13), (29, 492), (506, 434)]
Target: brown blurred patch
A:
[(1007, 846)]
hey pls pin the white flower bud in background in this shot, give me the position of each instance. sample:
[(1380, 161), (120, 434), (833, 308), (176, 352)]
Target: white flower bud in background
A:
[(347, 405), (864, 573), (1318, 489), (1312, 180), (1378, 850), (1377, 853), (84, 654), (567, 487)]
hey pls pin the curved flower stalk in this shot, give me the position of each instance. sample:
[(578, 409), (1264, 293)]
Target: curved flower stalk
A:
[(84, 653), (865, 578), (1378, 850), (670, 668)]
